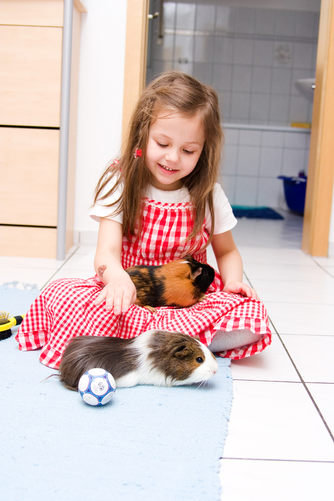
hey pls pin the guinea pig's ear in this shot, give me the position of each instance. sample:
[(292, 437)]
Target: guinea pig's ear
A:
[(181, 352), (195, 267), (196, 272)]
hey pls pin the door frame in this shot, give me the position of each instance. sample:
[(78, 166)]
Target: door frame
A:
[(135, 57), (318, 204), (320, 177)]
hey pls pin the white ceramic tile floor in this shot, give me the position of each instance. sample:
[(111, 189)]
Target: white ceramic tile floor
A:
[(280, 439), (314, 292), (296, 318)]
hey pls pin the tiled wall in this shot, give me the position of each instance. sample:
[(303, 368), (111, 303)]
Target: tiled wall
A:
[(254, 157), (252, 56)]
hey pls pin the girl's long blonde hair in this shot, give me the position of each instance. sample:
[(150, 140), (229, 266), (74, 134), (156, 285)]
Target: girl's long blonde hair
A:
[(177, 92)]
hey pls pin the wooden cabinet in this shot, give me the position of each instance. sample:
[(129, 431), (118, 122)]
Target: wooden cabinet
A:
[(29, 181), (31, 40), (31, 75)]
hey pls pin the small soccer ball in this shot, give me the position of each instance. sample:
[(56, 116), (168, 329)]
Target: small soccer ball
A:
[(97, 387)]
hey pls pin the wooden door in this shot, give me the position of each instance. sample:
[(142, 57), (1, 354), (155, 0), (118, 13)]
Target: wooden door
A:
[(321, 161)]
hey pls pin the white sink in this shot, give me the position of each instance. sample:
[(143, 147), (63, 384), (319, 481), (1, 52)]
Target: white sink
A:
[(306, 87)]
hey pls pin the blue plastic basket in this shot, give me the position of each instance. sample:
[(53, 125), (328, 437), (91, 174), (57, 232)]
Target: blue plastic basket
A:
[(295, 191)]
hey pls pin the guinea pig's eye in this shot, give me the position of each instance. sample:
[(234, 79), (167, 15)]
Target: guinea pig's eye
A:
[(199, 360)]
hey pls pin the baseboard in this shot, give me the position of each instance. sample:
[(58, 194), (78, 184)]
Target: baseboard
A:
[(90, 238), (85, 237)]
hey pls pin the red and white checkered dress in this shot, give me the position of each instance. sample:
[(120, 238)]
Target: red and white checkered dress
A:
[(65, 307)]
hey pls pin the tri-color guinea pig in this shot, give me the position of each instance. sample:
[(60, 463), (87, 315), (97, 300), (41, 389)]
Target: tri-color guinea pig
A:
[(181, 283), (155, 357)]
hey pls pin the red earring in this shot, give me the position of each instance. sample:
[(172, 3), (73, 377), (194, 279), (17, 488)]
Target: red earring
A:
[(137, 153)]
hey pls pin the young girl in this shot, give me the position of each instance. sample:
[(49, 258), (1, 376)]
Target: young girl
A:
[(159, 202)]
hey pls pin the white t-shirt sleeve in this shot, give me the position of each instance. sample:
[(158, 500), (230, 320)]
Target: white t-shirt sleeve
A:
[(224, 217), (100, 210)]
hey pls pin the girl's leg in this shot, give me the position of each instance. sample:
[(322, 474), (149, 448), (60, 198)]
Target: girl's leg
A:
[(224, 341)]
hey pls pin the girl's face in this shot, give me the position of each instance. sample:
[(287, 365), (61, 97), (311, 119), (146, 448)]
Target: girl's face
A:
[(174, 146)]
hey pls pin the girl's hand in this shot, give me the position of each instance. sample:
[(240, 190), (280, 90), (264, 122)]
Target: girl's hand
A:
[(118, 294), (240, 288), (119, 291)]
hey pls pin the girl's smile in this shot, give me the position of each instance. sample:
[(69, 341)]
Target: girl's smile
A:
[(174, 146), (167, 169)]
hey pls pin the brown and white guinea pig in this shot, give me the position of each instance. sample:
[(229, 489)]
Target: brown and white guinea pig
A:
[(180, 283), (155, 357)]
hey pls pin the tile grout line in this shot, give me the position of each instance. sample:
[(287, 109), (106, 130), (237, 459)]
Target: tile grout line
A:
[(267, 381), (305, 385), (299, 375), (321, 267), (66, 260), (279, 460)]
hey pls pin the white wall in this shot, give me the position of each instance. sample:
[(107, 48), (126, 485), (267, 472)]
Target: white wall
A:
[(100, 99), (331, 232)]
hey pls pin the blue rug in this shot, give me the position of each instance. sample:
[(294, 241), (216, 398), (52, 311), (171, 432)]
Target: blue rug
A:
[(255, 212), (149, 443)]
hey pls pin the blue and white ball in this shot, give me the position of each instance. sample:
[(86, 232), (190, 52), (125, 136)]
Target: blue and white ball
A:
[(97, 387)]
